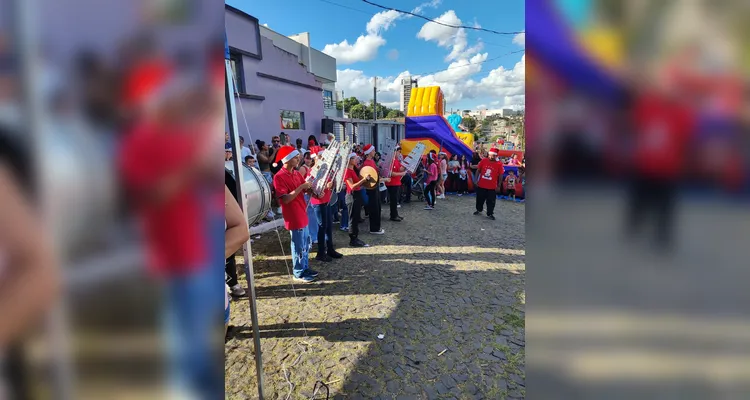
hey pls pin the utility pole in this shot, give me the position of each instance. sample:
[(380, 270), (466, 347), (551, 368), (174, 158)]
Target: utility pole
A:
[(375, 98)]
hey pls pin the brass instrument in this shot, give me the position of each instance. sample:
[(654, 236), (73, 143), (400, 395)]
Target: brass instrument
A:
[(412, 160)]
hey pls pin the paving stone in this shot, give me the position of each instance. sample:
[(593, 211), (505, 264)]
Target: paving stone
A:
[(392, 387), (440, 387)]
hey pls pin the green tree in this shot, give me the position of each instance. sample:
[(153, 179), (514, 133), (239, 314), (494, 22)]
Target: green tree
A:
[(470, 123), (394, 114), (347, 103), (360, 112)]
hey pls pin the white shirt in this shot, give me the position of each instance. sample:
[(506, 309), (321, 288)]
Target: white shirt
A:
[(246, 152)]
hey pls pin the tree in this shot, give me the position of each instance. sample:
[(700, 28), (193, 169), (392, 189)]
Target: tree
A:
[(359, 111), (347, 103), (470, 123), (392, 114)]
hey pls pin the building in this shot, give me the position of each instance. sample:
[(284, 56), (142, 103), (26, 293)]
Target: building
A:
[(284, 85), (406, 85)]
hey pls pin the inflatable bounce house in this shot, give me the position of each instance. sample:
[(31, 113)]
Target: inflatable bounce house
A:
[(425, 123)]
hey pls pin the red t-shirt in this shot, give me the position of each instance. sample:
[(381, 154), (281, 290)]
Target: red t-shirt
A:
[(174, 230), (295, 213), (350, 174), (489, 173), (323, 200), (371, 163), (395, 180), (663, 129)]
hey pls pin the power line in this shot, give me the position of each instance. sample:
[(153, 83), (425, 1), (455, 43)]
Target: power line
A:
[(438, 22), (347, 7)]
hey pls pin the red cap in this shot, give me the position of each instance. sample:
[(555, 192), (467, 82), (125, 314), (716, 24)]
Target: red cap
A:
[(368, 149), (285, 154), (493, 150)]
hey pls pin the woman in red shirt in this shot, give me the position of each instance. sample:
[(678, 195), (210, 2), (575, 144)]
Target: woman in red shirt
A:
[(324, 220), (430, 181), (354, 200)]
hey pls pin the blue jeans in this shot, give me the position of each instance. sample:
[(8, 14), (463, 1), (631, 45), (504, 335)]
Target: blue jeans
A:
[(325, 228), (300, 250), (268, 177), (312, 220), (192, 317), (344, 210)]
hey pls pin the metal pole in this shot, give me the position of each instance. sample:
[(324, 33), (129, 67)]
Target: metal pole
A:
[(239, 175)]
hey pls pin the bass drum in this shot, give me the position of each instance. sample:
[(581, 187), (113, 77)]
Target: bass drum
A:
[(257, 194)]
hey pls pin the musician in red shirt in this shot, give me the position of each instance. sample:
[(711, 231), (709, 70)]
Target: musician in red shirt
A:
[(394, 185), (290, 186), (354, 200), (323, 214), (373, 195), (490, 175)]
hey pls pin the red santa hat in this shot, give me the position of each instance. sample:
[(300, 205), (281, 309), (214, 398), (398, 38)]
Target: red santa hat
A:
[(493, 151), (285, 154), (368, 149), (315, 151)]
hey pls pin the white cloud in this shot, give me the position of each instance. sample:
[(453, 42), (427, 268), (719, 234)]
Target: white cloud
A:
[(365, 48), (481, 107), (520, 39), (445, 36), (431, 4), (393, 54), (508, 85), (356, 83), (266, 25)]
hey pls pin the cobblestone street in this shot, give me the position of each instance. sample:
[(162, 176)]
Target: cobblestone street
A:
[(444, 288)]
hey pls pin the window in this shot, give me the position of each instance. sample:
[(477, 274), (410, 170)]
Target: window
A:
[(292, 120), (328, 99), (238, 71)]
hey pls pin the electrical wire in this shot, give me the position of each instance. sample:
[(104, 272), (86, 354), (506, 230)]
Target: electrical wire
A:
[(347, 7), (471, 63), (441, 23)]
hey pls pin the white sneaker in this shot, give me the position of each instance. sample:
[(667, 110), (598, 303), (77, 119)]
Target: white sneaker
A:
[(398, 206), (380, 232), (237, 290)]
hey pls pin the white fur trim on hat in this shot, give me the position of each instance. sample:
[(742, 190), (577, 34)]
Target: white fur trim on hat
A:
[(289, 156), (352, 155), (370, 149)]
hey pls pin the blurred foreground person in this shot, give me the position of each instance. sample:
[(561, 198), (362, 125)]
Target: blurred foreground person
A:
[(663, 125), (236, 233), (180, 212), (29, 275)]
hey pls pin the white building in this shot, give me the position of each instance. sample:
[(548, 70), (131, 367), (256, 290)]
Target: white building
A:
[(405, 93), (315, 61)]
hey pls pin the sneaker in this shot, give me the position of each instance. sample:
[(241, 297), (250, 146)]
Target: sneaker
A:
[(335, 254), (305, 278), (492, 217), (380, 232), (311, 273), (323, 257), (238, 291), (477, 212), (460, 194), (427, 208), (358, 243), (398, 206), (395, 219), (344, 228)]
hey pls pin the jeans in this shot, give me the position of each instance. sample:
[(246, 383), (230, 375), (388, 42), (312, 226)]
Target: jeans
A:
[(300, 250), (487, 195), (325, 228), (268, 176), (407, 182), (193, 315), (429, 193), (393, 198), (354, 203), (312, 221), (344, 210), (374, 207)]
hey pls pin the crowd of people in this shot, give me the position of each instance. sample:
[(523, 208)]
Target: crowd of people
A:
[(310, 217)]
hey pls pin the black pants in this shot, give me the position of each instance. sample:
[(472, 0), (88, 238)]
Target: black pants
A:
[(354, 203), (393, 198), (488, 196), (14, 371), (231, 269), (429, 193), (652, 198), (384, 196), (373, 197), (406, 182), (462, 185)]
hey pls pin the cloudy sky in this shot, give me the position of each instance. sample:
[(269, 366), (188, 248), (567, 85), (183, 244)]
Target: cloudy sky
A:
[(475, 69)]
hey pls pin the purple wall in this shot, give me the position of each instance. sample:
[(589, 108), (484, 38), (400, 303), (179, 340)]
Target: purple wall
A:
[(263, 115)]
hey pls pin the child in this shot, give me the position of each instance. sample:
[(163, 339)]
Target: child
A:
[(290, 186), (510, 185), (354, 200), (490, 174)]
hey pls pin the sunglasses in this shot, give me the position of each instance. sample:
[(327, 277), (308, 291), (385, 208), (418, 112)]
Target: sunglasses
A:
[(276, 141)]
